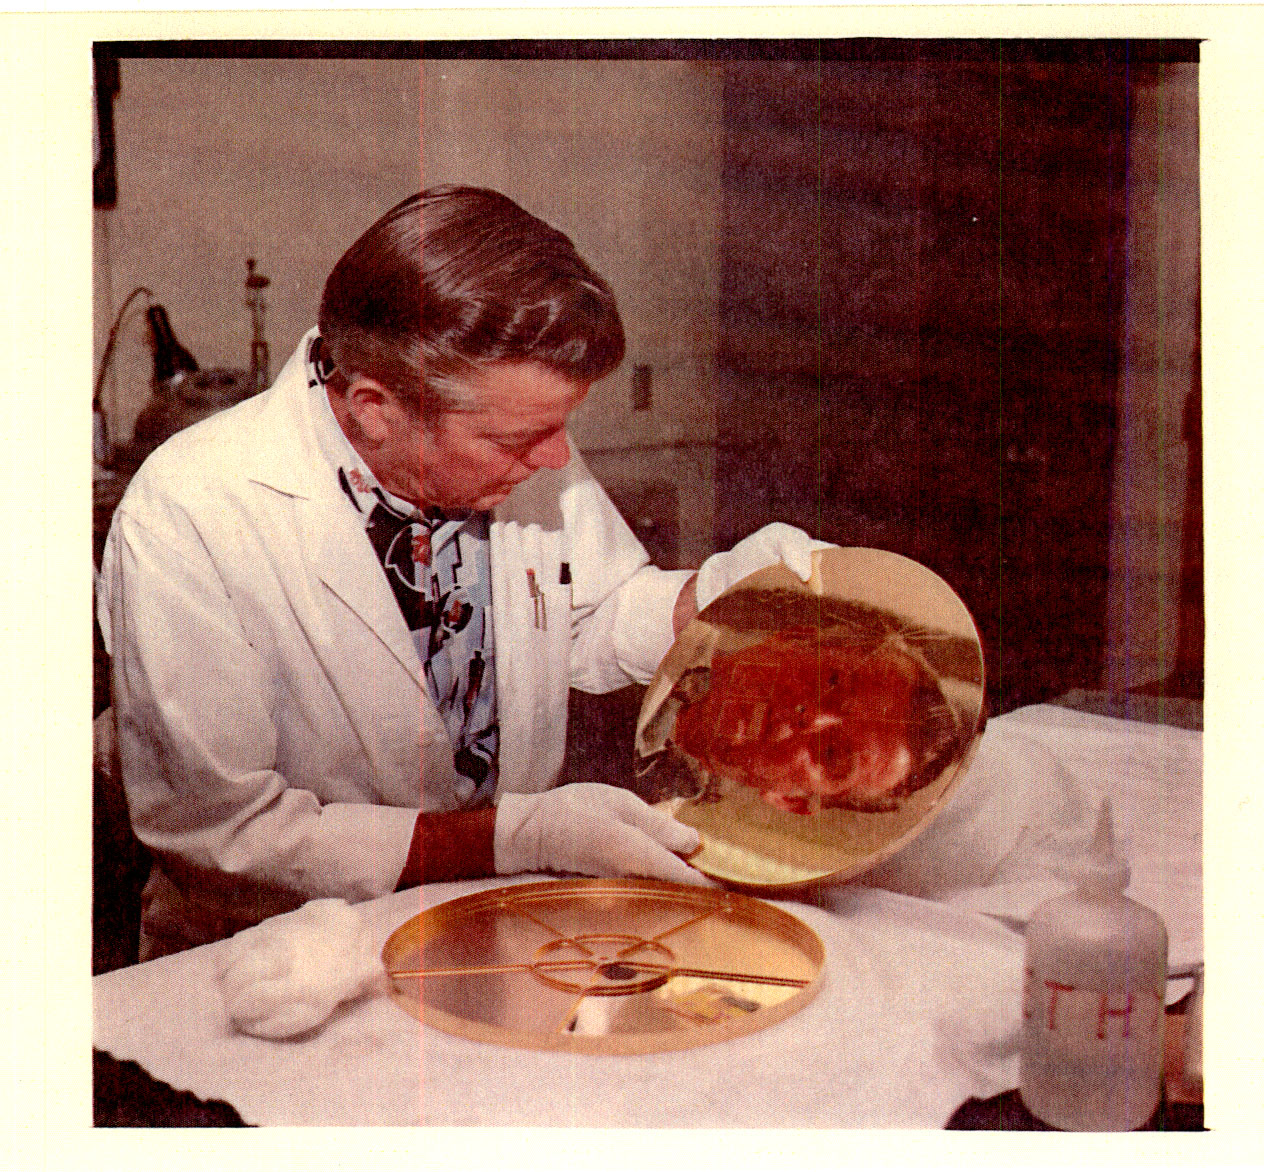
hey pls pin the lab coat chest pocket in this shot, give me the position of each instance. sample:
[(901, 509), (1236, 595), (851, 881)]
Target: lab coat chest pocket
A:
[(552, 638), (533, 639), (548, 608), (555, 601)]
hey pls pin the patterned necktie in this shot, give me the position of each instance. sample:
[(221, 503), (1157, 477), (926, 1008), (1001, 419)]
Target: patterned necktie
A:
[(444, 596), (402, 545)]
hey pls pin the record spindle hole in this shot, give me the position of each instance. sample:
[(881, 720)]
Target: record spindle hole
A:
[(604, 964)]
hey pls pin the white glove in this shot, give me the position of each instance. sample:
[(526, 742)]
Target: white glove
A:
[(592, 829), (287, 975), (765, 547)]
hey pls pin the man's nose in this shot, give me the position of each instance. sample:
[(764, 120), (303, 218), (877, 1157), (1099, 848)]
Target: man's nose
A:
[(551, 452)]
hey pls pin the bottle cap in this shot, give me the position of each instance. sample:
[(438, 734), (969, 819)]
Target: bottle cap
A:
[(1100, 867)]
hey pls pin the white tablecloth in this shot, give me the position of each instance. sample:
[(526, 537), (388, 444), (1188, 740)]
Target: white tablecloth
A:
[(919, 1010)]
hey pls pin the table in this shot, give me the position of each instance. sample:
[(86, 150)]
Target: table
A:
[(918, 1014)]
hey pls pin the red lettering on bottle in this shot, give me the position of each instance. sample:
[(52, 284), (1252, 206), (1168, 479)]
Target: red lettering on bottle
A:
[(1054, 989), (1103, 1012)]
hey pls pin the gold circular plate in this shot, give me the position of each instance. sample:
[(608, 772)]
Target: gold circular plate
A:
[(603, 966), (877, 649)]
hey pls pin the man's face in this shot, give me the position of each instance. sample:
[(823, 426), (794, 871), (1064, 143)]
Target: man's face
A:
[(473, 459)]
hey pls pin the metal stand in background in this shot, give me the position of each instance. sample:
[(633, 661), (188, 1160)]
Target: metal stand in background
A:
[(255, 285)]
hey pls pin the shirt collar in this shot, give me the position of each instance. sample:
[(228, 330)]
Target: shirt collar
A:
[(356, 480)]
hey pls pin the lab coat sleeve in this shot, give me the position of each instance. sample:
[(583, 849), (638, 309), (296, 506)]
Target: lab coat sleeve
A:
[(621, 606), (197, 742)]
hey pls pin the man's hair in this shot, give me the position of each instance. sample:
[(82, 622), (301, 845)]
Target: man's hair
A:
[(454, 279)]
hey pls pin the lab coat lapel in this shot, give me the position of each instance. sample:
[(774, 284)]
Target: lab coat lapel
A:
[(343, 559), (290, 460)]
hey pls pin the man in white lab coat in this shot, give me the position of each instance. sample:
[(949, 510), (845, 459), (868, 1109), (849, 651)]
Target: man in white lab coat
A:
[(344, 615)]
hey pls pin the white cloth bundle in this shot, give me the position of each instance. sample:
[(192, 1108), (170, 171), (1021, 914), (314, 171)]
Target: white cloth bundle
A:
[(1008, 838), (286, 976)]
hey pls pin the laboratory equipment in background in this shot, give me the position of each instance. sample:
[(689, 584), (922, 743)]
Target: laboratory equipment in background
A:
[(171, 360), (181, 392), (256, 283), (1093, 1000)]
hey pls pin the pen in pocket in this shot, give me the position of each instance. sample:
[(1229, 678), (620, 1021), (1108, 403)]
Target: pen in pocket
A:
[(541, 616)]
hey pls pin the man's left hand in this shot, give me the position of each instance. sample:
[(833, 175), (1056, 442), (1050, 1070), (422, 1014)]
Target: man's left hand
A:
[(765, 547)]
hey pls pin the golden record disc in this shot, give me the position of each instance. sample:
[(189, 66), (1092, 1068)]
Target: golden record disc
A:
[(809, 731), (603, 966)]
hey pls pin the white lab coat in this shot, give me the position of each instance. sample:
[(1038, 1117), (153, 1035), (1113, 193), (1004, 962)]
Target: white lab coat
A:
[(276, 736)]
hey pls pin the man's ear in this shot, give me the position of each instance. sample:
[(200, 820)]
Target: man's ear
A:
[(368, 404)]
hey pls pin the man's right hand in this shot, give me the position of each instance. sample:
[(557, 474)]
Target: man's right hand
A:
[(592, 829)]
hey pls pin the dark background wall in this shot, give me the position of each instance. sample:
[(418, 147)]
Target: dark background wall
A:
[(923, 302)]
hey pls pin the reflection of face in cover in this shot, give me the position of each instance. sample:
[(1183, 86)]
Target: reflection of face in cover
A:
[(811, 723)]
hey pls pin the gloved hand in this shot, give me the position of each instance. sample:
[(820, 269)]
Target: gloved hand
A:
[(287, 975), (773, 543), (592, 829)]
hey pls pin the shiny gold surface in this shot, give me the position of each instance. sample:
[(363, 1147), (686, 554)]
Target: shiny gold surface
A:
[(603, 966), (861, 599)]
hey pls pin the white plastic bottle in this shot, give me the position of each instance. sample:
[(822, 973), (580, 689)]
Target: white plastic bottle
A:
[(1093, 1001)]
